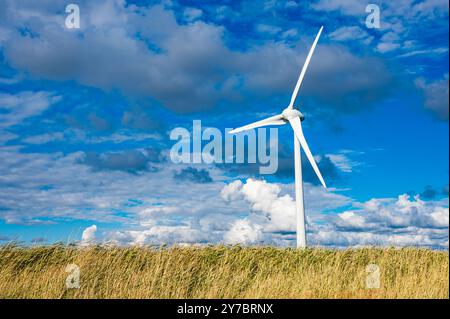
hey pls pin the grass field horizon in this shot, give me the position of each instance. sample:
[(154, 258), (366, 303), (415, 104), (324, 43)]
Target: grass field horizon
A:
[(221, 272)]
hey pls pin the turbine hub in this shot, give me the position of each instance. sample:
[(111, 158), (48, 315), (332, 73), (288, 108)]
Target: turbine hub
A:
[(291, 113)]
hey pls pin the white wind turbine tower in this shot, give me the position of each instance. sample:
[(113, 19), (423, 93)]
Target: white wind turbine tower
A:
[(294, 117)]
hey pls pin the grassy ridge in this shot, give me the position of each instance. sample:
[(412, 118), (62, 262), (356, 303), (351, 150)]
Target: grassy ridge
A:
[(221, 272)]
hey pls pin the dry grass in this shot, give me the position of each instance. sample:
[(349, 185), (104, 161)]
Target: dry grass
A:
[(221, 272)]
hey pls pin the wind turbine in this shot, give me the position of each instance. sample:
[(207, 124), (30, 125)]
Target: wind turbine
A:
[(294, 117)]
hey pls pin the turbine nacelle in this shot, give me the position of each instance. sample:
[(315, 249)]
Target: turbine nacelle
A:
[(290, 113)]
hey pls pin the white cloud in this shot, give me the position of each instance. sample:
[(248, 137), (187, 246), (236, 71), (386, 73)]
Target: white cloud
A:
[(350, 219), (243, 232), (384, 47), (420, 52), (48, 187), (8, 81), (265, 197), (343, 160), (440, 217), (351, 7), (429, 8), (399, 21), (388, 42), (359, 239), (192, 14), (396, 222), (389, 10), (89, 235), (160, 235), (80, 136), (291, 4), (44, 138), (6, 136), (15, 108), (268, 29), (351, 33), (394, 214), (290, 33), (232, 191), (273, 208)]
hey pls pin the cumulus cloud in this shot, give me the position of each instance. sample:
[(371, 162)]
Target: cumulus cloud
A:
[(240, 218), (232, 191), (397, 222), (89, 235), (51, 187), (390, 217), (160, 235), (401, 213), (264, 197), (243, 232), (273, 207)]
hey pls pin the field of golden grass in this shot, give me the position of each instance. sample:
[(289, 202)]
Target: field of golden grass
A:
[(222, 272)]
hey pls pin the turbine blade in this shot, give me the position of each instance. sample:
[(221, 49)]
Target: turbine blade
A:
[(273, 120), (297, 127), (305, 66)]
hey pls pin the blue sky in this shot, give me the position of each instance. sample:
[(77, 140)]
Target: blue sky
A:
[(86, 114)]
